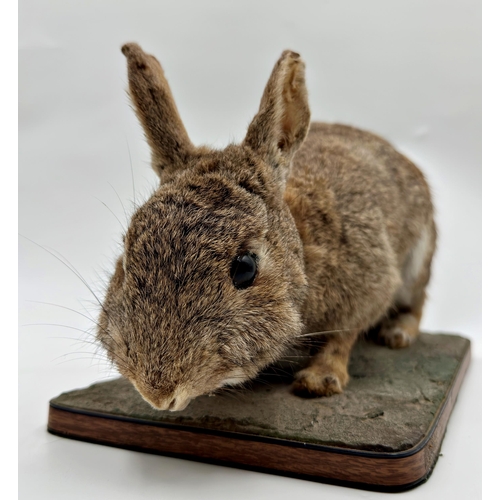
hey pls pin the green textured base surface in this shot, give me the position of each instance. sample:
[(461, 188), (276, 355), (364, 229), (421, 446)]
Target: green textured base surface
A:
[(389, 405)]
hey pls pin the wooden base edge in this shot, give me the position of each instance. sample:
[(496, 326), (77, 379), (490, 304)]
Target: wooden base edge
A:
[(274, 472)]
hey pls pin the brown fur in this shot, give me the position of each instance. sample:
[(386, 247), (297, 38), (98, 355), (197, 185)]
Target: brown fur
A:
[(341, 224)]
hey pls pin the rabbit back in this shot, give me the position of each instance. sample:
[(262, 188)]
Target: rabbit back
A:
[(365, 217)]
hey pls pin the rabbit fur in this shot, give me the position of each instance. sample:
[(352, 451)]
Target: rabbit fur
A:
[(341, 225)]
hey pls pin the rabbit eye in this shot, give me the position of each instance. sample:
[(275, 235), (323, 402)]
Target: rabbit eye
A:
[(243, 270)]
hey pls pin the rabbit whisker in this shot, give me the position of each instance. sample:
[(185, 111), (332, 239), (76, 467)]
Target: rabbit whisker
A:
[(311, 334), (113, 214), (68, 264), (131, 170), (119, 199), (64, 307)]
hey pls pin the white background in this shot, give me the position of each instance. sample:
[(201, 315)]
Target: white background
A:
[(407, 70)]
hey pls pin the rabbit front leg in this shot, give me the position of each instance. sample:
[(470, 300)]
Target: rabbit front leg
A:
[(327, 373)]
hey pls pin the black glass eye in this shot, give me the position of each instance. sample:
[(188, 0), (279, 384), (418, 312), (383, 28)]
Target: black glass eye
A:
[(243, 270)]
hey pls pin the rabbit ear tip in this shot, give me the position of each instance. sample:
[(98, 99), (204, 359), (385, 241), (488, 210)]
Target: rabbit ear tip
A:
[(129, 48), (292, 54)]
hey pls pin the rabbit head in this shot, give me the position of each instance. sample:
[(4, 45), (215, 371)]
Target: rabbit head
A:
[(209, 288)]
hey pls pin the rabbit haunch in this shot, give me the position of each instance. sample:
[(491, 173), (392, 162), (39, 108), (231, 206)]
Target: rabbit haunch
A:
[(339, 223)]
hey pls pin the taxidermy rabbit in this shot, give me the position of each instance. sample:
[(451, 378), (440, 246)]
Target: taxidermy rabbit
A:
[(239, 253)]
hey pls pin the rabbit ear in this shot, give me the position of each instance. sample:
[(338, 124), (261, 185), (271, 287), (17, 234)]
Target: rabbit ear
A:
[(156, 110), (281, 125)]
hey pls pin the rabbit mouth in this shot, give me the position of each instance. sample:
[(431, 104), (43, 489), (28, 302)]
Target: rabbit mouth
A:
[(177, 403), (159, 400)]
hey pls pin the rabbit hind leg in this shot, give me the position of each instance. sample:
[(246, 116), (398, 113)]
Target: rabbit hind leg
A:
[(402, 324)]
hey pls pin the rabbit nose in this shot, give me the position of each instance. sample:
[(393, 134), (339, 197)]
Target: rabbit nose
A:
[(176, 402)]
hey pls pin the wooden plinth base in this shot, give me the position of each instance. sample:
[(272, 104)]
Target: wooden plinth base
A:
[(384, 433)]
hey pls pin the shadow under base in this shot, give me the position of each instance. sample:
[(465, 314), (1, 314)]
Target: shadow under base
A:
[(383, 433)]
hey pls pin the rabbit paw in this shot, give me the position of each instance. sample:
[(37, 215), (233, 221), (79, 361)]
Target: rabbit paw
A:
[(394, 337), (316, 381)]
